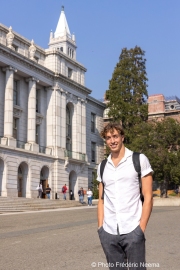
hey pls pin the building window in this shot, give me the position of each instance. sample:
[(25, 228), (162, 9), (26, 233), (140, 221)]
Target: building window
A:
[(37, 101), (37, 133), (69, 73), (94, 175), (36, 58), (93, 123), (70, 53), (15, 47), (15, 93), (15, 127), (93, 152), (68, 130), (61, 49)]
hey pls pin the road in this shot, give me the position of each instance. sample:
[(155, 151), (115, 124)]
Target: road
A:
[(67, 239)]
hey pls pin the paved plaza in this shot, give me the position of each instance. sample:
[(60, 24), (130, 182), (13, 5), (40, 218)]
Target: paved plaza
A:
[(67, 239)]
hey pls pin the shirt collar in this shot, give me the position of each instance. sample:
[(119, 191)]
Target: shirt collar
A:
[(127, 154)]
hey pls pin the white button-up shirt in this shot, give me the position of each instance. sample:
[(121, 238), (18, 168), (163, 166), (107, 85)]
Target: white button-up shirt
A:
[(122, 204)]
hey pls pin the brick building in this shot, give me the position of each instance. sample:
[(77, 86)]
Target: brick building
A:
[(160, 107)]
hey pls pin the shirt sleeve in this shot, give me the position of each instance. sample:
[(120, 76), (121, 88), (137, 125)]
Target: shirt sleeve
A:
[(98, 174), (145, 165)]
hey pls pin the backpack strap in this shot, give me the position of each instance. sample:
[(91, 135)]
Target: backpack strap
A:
[(137, 167), (102, 166)]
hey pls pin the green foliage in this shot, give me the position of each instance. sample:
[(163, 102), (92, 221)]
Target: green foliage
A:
[(160, 142), (126, 101), (95, 185), (128, 90)]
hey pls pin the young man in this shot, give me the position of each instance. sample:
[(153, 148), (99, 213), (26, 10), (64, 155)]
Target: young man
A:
[(122, 219)]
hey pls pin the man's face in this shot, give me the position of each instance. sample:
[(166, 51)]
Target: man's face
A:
[(114, 141)]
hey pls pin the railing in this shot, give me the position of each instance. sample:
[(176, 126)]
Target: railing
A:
[(45, 150), (75, 155), (20, 144)]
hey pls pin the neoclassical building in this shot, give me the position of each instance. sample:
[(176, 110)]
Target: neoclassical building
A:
[(49, 123)]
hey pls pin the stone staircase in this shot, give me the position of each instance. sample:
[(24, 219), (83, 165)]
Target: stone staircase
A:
[(25, 204)]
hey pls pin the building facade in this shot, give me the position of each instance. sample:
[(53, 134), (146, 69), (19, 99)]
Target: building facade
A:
[(49, 123), (160, 107)]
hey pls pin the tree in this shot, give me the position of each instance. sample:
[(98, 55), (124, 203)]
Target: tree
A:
[(95, 185), (160, 142), (127, 94)]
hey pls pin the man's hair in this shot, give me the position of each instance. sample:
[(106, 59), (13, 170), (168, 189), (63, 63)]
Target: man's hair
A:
[(110, 128)]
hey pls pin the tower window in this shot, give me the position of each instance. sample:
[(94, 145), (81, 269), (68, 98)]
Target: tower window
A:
[(69, 73)]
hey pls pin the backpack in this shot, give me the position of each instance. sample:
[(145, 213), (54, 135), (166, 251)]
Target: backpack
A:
[(63, 189), (137, 167)]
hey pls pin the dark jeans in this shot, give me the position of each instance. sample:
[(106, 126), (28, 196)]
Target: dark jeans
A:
[(89, 200), (119, 247)]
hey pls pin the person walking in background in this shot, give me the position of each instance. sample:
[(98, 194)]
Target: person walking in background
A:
[(48, 191), (81, 195), (89, 197), (64, 189), (39, 189)]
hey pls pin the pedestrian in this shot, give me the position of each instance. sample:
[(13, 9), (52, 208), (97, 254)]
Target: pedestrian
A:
[(89, 197), (48, 191), (81, 195), (71, 194), (122, 219), (39, 189), (64, 189)]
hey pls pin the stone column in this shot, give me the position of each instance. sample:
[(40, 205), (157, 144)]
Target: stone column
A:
[(63, 67), (49, 120), (8, 108), (79, 126), (31, 126), (83, 126), (63, 118)]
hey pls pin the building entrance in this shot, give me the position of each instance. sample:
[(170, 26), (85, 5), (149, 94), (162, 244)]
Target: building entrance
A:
[(22, 179), (44, 180), (73, 185), (19, 182)]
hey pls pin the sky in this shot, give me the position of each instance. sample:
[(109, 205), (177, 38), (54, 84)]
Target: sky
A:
[(102, 29)]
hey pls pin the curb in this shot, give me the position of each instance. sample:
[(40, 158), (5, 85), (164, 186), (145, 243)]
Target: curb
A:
[(166, 201), (161, 201)]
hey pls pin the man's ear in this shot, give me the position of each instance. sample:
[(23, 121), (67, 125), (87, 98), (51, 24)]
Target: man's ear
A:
[(122, 137)]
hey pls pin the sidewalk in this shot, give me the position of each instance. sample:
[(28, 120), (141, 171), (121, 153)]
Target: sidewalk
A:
[(170, 201), (157, 201)]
